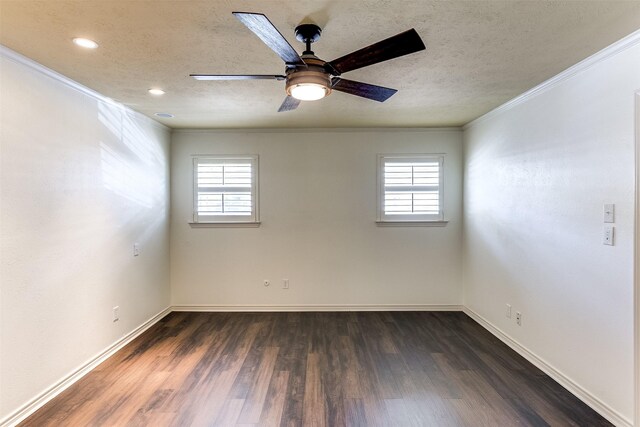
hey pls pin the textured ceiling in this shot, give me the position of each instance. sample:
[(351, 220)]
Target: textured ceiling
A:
[(479, 54)]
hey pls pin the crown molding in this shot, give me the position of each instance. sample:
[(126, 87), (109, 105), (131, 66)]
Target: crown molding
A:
[(453, 129), (620, 46), (14, 56)]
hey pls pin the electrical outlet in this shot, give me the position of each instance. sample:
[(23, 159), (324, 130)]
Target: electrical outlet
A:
[(285, 283), (266, 282), (518, 318), (608, 236), (508, 312), (116, 315)]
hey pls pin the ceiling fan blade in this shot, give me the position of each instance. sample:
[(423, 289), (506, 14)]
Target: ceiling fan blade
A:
[(269, 34), (393, 47), (289, 103), (237, 77), (365, 90)]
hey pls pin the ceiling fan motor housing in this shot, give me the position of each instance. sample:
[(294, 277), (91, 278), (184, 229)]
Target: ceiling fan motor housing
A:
[(308, 33), (313, 74)]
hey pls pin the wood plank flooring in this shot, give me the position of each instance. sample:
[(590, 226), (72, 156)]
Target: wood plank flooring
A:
[(316, 369)]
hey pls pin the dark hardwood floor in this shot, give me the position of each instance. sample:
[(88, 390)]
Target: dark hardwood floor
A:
[(316, 369)]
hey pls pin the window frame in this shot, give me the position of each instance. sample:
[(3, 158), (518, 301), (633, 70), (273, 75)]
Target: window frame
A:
[(409, 219), (227, 220)]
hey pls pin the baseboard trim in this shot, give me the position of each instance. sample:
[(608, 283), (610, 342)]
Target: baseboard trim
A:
[(582, 394), (36, 403), (318, 307)]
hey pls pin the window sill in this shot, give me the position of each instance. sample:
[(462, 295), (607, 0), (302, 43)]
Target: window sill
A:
[(411, 223), (224, 224)]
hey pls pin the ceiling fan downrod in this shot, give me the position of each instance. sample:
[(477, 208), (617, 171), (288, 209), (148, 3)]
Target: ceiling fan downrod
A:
[(307, 34)]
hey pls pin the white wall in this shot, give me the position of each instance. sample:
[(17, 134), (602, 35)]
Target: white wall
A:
[(318, 211), (537, 174), (81, 180)]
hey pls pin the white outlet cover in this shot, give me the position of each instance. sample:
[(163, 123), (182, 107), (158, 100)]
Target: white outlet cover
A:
[(608, 235)]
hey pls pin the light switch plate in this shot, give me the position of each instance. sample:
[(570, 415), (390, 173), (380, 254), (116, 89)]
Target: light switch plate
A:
[(609, 213)]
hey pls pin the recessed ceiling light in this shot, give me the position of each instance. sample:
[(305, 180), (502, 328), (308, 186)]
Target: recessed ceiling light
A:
[(155, 91), (86, 43), (164, 115)]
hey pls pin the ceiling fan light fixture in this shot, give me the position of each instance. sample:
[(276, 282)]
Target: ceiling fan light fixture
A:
[(309, 91), (308, 85)]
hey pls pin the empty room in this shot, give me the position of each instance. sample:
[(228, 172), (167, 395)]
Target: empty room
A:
[(319, 213)]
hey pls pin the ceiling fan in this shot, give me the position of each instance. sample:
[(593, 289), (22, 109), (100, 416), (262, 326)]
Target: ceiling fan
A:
[(309, 78)]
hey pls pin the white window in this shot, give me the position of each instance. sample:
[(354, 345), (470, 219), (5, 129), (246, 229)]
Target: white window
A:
[(410, 188), (225, 189)]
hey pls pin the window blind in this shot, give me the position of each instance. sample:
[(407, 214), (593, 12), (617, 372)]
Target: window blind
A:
[(411, 188), (225, 189)]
